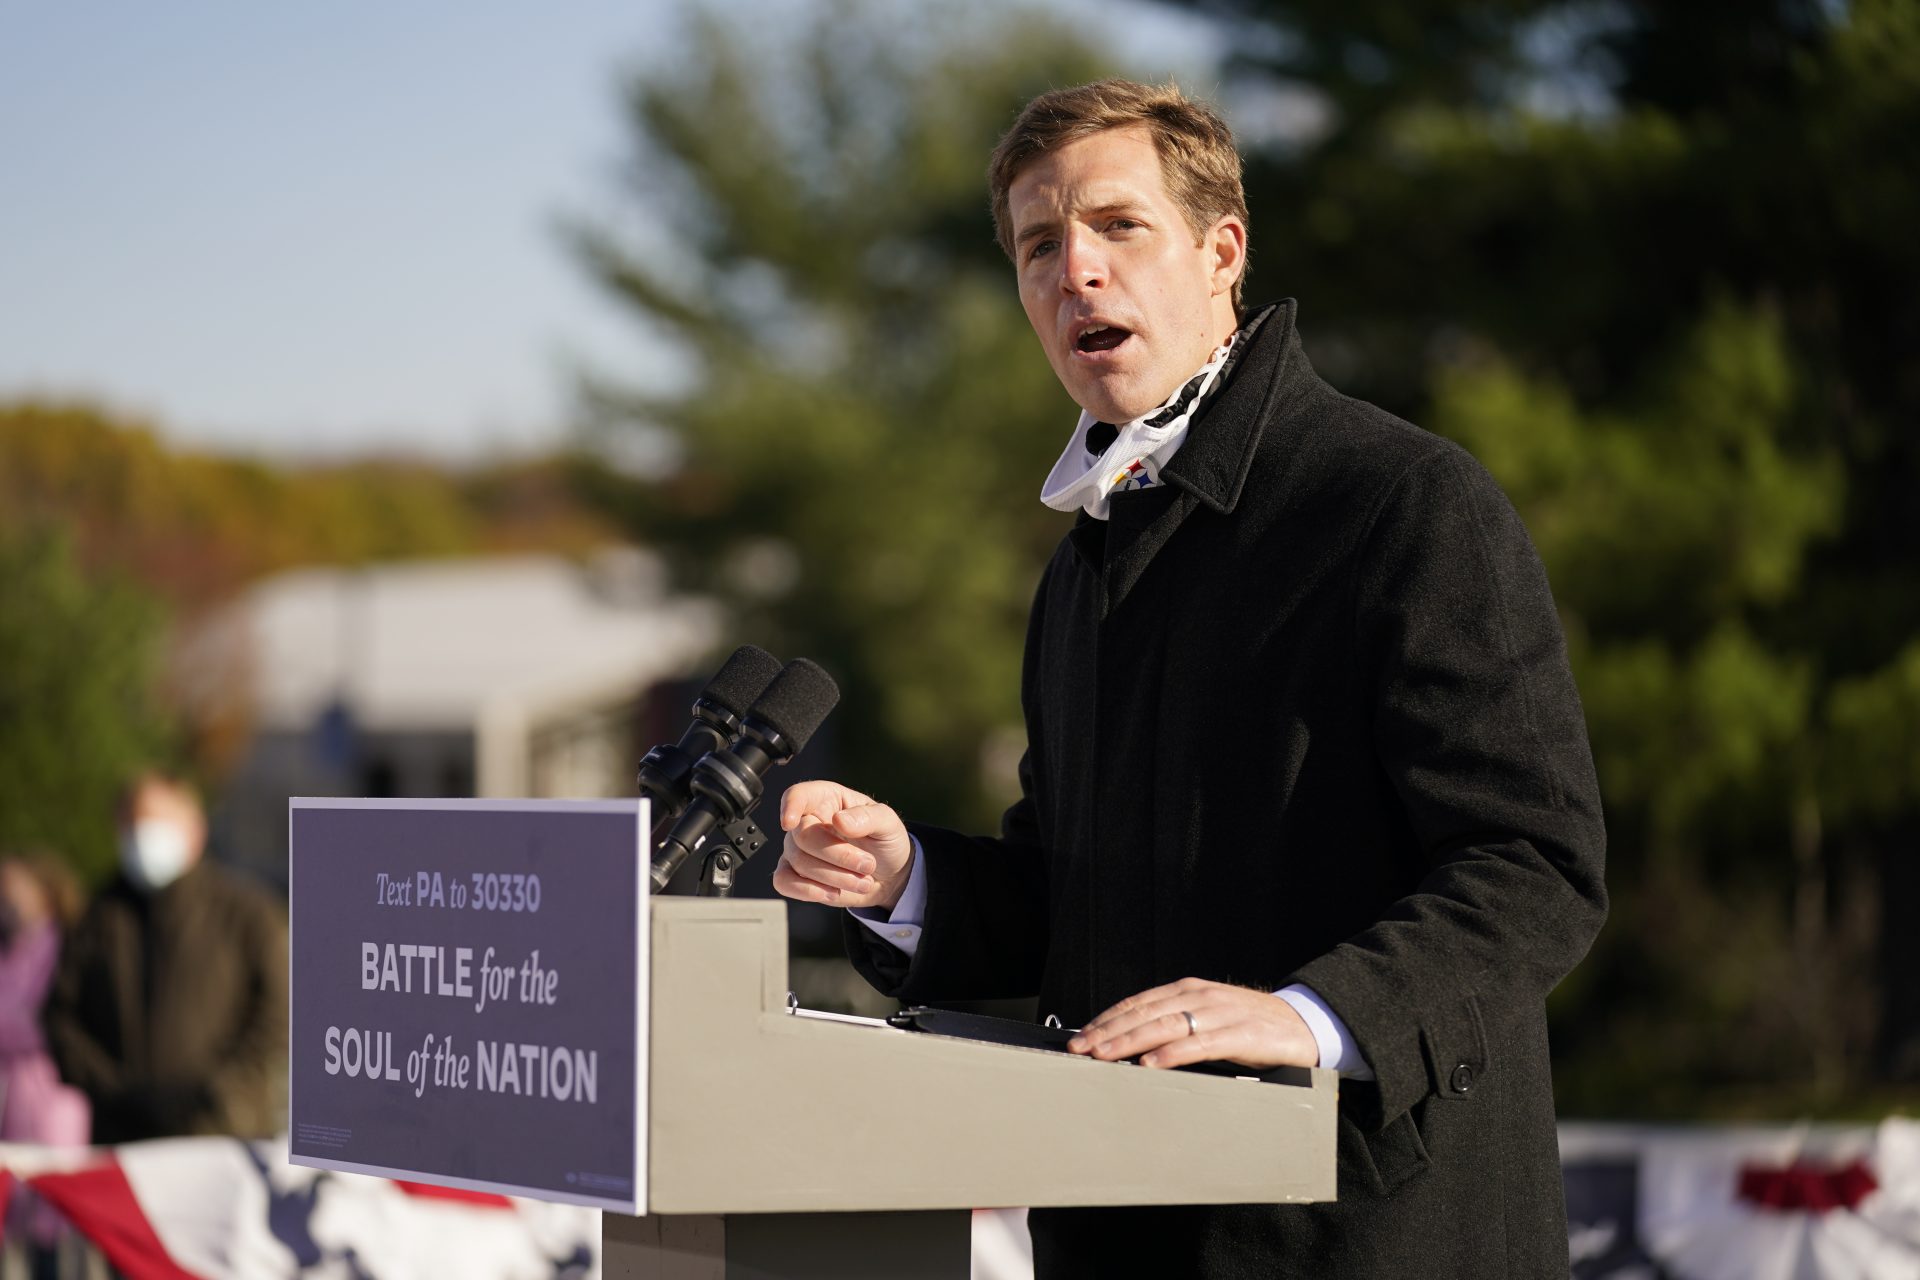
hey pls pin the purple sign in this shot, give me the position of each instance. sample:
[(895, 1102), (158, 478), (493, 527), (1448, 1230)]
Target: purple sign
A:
[(468, 994)]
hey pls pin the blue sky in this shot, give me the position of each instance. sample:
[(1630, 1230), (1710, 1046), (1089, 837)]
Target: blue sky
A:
[(319, 229)]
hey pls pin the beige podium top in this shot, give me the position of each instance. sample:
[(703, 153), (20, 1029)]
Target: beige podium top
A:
[(755, 1109)]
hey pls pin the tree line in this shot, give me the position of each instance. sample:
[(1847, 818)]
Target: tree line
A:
[(114, 543)]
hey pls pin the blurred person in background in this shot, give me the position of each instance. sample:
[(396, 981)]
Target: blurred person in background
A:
[(39, 899), (169, 1009)]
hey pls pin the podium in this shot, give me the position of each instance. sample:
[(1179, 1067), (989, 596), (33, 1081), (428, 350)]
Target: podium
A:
[(782, 1143)]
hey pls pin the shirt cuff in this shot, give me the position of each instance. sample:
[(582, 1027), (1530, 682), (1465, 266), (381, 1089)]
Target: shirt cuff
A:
[(901, 926), (1337, 1049)]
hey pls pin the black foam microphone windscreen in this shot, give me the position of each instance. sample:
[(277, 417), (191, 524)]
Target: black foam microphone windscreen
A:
[(797, 702), (742, 679), (717, 712)]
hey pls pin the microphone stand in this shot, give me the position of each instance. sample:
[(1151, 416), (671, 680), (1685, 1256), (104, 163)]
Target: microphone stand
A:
[(725, 850)]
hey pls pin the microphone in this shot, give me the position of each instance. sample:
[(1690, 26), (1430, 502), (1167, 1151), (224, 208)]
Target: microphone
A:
[(716, 719), (727, 781)]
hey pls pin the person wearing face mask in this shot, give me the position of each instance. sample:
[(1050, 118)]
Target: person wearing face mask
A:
[(169, 1007)]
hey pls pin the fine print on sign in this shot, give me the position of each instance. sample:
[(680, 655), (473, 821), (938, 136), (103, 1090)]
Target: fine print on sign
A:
[(468, 981)]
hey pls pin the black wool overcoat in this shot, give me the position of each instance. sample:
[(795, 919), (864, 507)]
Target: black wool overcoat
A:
[(169, 1009), (1301, 713)]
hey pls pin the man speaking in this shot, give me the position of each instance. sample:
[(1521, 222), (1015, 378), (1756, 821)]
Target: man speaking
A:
[(1307, 780)]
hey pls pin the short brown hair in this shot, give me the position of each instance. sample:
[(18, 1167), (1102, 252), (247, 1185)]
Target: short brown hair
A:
[(160, 778), (1198, 161)]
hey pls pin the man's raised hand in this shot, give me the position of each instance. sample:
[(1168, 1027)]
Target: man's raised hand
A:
[(842, 848)]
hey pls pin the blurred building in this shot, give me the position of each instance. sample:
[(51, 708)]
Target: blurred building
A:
[(512, 676)]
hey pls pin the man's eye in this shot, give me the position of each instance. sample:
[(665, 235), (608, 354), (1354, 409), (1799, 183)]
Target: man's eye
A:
[(1123, 224), (1041, 250)]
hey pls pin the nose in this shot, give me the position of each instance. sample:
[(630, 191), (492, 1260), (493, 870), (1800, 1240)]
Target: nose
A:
[(1083, 262)]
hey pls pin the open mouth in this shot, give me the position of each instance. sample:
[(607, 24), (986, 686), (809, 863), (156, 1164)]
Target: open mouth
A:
[(1100, 337)]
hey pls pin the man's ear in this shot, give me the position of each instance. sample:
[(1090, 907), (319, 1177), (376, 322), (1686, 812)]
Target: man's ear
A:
[(1227, 242)]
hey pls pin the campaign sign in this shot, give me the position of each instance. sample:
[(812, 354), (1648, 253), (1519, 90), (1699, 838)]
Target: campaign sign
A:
[(469, 982)]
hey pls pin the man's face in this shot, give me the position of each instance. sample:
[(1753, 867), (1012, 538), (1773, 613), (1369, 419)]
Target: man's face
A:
[(1125, 304), (155, 801)]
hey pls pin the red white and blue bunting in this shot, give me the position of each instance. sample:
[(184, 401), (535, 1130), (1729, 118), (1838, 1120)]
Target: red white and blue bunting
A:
[(1806, 1202), (222, 1209), (1799, 1202)]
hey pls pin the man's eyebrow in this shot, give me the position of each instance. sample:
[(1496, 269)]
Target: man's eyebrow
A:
[(1034, 231), (1111, 207)]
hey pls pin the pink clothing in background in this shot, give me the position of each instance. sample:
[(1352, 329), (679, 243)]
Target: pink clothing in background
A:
[(34, 1106)]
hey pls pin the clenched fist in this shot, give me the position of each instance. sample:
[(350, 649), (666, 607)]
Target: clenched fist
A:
[(842, 848)]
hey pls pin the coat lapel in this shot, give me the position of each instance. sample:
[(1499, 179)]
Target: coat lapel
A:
[(1138, 525), (1089, 539)]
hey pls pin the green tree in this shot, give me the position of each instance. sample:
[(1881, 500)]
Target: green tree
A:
[(194, 527), (1675, 522), (78, 710), (859, 458), (1649, 262)]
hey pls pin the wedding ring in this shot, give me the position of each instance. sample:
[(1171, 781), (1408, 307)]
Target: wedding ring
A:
[(1193, 1027)]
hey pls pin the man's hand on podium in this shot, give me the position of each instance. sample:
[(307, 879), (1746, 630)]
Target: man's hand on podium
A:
[(1194, 1020), (842, 848)]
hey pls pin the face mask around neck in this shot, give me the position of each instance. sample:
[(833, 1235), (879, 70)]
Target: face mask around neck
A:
[(154, 853), (1136, 450)]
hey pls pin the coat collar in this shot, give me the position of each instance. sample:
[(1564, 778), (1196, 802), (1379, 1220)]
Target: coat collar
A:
[(1271, 371), (1211, 467)]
